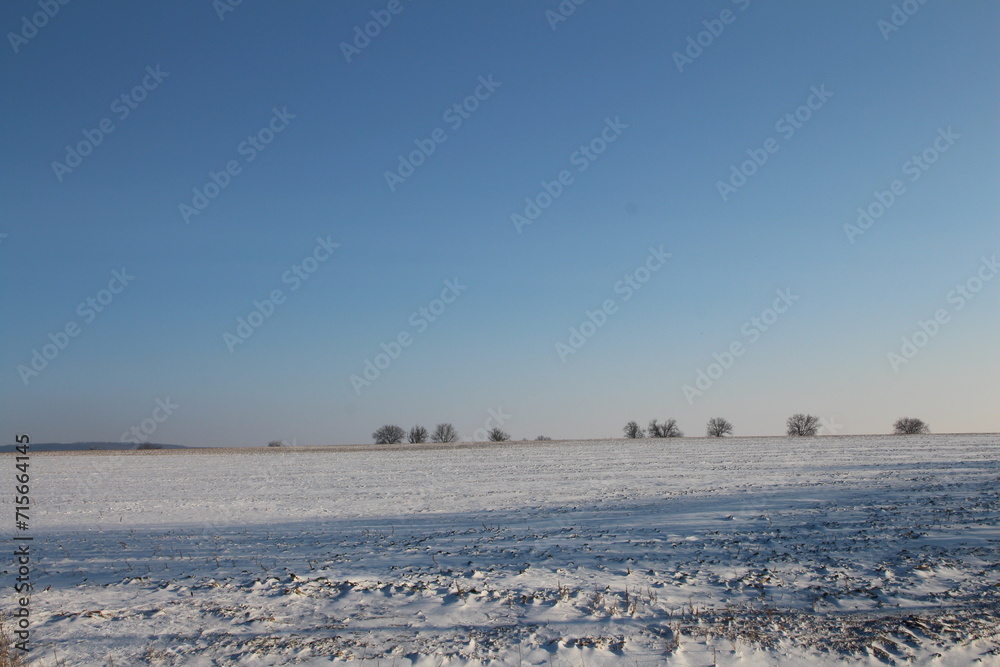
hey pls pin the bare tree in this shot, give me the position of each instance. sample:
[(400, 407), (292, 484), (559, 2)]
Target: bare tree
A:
[(671, 430), (632, 430), (910, 426), (543, 437), (276, 443), (800, 424), (418, 434), (444, 433), (718, 427), (388, 435), (497, 435), (667, 429)]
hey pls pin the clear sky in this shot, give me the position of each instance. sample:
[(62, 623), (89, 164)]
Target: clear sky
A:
[(675, 170)]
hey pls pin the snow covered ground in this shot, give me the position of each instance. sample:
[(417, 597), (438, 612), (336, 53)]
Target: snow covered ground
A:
[(743, 551)]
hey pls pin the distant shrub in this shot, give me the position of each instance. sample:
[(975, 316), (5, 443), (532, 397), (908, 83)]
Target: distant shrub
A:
[(276, 443), (800, 424), (667, 429), (417, 434), (389, 435), (444, 433), (633, 430), (497, 435), (910, 426), (718, 427), (543, 437)]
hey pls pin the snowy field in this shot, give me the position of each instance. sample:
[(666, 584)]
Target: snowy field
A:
[(743, 551)]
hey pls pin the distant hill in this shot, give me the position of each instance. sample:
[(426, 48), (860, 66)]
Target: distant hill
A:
[(84, 446)]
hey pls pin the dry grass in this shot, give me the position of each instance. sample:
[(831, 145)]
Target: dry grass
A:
[(10, 656)]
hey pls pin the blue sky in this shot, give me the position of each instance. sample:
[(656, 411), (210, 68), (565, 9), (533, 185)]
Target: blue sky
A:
[(209, 84)]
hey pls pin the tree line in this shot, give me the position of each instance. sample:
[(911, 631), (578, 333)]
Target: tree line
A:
[(390, 434), (798, 424)]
